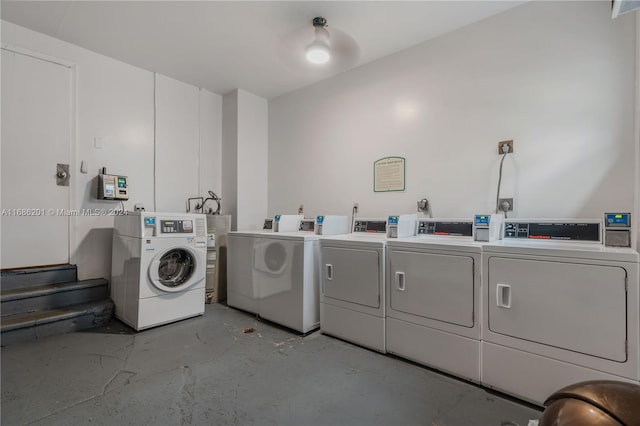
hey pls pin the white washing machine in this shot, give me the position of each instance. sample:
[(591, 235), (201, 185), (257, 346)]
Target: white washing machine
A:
[(158, 267), (242, 290), (560, 308), (275, 274), (285, 273), (352, 294), (433, 297)]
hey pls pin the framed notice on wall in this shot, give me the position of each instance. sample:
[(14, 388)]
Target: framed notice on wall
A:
[(389, 174)]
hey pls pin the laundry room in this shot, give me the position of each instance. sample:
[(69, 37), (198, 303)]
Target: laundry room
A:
[(226, 229)]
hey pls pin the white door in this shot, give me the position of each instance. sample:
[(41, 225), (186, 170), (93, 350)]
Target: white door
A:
[(36, 136), (434, 286), (351, 275), (578, 307)]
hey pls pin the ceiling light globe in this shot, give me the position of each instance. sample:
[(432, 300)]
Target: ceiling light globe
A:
[(318, 54)]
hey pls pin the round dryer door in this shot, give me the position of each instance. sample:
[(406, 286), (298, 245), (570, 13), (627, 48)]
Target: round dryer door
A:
[(173, 270)]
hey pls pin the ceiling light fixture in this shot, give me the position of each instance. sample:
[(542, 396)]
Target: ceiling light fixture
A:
[(319, 52)]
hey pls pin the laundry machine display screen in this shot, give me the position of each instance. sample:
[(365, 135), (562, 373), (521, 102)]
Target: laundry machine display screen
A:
[(307, 225), (176, 226), (618, 219), (482, 219), (370, 226), (575, 231), (464, 229)]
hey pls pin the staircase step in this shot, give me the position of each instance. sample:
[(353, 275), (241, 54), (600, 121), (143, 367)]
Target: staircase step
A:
[(52, 296), (33, 277), (31, 326)]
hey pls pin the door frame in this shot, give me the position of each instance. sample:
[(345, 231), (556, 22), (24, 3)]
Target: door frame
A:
[(73, 132)]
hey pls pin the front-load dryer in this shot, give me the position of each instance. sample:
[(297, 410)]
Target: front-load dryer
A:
[(158, 267), (560, 308), (352, 305), (433, 297)]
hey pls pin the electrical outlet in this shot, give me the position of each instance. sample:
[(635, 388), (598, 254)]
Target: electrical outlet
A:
[(509, 144), (505, 200)]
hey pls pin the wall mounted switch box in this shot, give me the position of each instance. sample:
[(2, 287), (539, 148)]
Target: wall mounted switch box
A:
[(112, 187)]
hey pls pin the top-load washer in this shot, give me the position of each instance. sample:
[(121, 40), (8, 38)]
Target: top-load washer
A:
[(433, 297), (560, 308), (352, 294), (281, 284), (158, 267)]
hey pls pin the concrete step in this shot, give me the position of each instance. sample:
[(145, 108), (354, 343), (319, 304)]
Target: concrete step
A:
[(52, 296), (34, 277), (31, 326)]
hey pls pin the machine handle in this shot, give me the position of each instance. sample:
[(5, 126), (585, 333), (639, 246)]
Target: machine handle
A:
[(329, 271), (503, 296), (400, 281)]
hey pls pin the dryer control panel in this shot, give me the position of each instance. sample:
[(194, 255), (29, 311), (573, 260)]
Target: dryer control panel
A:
[(370, 225), (307, 225), (584, 230), (445, 227)]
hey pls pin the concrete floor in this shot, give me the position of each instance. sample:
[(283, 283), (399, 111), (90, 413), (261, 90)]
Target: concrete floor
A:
[(206, 371)]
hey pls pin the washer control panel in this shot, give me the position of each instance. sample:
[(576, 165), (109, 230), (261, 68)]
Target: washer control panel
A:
[(176, 226)]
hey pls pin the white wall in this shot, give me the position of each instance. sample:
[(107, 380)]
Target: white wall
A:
[(253, 145), (244, 153), (230, 157), (210, 144), (177, 135), (637, 130), (115, 102), (556, 77)]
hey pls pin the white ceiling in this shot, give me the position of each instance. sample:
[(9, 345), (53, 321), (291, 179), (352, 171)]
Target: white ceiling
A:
[(253, 45)]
